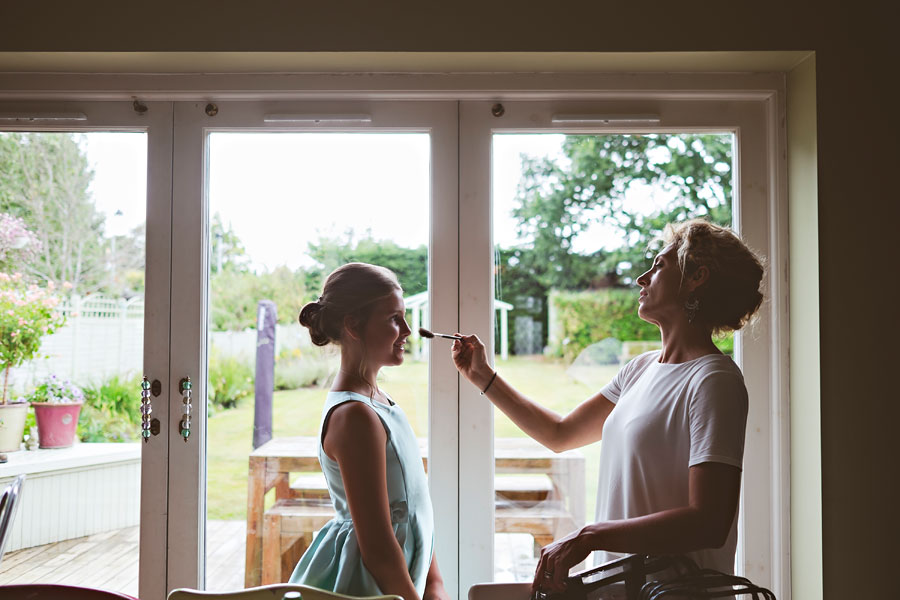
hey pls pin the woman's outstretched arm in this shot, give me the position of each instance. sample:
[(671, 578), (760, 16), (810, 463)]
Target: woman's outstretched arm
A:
[(356, 439), (582, 426)]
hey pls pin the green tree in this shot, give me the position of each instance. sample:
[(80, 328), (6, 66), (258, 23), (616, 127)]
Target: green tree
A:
[(560, 200), (127, 259), (44, 179), (227, 252), (410, 264), (235, 294)]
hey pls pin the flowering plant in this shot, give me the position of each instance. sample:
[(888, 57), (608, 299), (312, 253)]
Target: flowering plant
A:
[(57, 391), (27, 314), (17, 244)]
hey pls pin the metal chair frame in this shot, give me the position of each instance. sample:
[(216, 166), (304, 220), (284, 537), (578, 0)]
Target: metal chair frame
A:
[(9, 502)]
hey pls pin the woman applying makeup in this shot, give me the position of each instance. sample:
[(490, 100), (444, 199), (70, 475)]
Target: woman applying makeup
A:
[(672, 421)]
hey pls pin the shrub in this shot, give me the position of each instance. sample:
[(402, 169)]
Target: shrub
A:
[(296, 368), (110, 411), (579, 319), (230, 380)]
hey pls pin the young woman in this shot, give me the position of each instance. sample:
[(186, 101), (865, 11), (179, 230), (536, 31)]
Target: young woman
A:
[(381, 539), (672, 421)]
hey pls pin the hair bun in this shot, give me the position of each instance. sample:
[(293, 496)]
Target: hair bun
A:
[(311, 318), (309, 312)]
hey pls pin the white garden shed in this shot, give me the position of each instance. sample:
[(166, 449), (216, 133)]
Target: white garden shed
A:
[(417, 304)]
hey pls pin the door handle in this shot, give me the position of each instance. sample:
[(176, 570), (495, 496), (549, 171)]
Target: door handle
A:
[(186, 408), (149, 426)]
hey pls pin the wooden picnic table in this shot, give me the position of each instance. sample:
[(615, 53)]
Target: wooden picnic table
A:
[(273, 463)]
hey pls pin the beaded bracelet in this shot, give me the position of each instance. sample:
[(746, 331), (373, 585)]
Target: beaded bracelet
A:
[(493, 377)]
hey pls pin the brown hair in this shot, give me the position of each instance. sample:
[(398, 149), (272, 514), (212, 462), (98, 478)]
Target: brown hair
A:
[(731, 294), (350, 290)]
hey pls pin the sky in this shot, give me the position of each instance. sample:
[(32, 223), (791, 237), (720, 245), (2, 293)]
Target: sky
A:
[(280, 191), (119, 162)]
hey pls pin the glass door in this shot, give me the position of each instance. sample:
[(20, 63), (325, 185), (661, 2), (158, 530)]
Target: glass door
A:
[(561, 200), (85, 192), (288, 193)]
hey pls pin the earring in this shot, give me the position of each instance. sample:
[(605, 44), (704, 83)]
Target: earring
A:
[(691, 306)]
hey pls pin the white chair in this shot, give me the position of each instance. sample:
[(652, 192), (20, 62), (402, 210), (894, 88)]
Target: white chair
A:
[(278, 591), (522, 591), (9, 501), (500, 591)]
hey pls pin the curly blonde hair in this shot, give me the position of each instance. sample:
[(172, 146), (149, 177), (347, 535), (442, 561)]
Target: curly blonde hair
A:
[(732, 294)]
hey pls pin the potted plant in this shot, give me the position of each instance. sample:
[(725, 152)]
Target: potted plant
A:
[(27, 314), (12, 424), (57, 404)]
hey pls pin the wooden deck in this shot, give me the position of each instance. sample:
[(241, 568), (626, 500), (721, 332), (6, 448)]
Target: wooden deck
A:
[(110, 560)]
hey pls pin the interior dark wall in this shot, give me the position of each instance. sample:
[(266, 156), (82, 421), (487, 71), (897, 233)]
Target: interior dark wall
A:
[(408, 25), (859, 207)]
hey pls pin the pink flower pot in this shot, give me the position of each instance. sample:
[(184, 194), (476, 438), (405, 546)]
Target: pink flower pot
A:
[(56, 423)]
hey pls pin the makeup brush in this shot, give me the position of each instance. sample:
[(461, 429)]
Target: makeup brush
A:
[(428, 334)]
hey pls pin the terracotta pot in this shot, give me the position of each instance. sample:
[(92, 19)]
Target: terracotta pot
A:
[(56, 423), (12, 424)]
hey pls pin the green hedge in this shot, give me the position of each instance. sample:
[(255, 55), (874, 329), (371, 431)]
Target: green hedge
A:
[(579, 319)]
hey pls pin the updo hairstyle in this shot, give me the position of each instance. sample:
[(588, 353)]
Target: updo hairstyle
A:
[(731, 294), (350, 290)]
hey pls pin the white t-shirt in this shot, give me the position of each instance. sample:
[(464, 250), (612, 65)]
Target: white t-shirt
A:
[(667, 418)]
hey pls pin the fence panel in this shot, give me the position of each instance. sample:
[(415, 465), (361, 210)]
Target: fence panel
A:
[(103, 337)]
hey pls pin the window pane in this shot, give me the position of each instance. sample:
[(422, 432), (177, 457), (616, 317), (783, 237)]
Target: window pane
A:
[(72, 223), (573, 217), (285, 210)]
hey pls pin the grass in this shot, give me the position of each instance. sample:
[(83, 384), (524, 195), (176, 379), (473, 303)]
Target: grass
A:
[(298, 412)]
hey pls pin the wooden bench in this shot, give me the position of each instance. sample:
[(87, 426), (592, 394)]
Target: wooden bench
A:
[(517, 488), (523, 505), (529, 476), (545, 523), (288, 530)]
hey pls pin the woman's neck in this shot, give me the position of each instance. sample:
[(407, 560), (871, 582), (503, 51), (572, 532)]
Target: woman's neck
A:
[(683, 341), (350, 378)]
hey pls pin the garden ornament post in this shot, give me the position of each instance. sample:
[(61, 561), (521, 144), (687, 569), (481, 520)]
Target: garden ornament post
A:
[(264, 386)]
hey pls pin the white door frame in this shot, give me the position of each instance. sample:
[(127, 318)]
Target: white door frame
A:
[(30, 90), (759, 213), (189, 281), (155, 119)]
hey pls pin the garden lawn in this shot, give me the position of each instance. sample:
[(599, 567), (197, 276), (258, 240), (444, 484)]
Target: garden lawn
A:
[(298, 412)]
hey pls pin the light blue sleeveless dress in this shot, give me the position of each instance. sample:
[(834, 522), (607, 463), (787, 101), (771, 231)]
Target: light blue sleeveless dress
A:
[(333, 561)]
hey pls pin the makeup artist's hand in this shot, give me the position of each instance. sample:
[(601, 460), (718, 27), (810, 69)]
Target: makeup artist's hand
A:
[(470, 358), (556, 560)]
